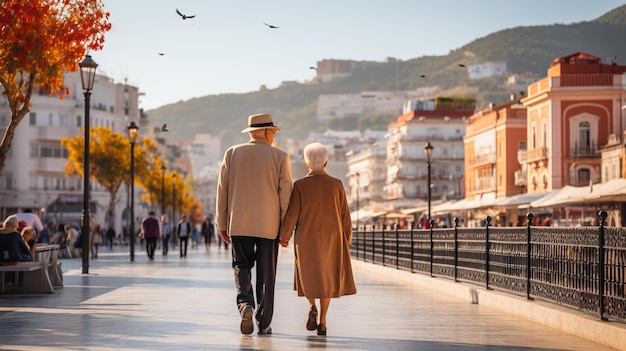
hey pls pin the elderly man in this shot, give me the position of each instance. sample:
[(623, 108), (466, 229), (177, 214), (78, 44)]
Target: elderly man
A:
[(253, 194)]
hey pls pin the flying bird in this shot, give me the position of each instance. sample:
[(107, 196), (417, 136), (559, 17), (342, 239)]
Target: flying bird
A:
[(161, 53), (313, 68), (269, 25), (421, 75), (184, 16), (164, 128), (461, 65)]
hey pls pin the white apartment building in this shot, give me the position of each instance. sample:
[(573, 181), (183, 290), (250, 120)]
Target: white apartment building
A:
[(205, 157), (487, 69), (367, 174), (407, 175), (34, 177), (367, 103)]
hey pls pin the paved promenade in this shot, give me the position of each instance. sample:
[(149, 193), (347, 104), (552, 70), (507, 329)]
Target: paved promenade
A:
[(189, 304)]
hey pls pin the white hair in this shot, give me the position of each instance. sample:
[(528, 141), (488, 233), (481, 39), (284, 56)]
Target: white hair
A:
[(315, 155)]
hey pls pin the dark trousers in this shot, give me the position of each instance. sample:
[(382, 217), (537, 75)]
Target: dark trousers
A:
[(166, 243), (246, 250), (183, 245), (151, 244)]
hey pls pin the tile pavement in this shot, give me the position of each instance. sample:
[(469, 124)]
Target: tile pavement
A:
[(189, 304)]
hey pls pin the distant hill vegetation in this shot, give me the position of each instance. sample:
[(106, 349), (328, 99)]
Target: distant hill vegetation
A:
[(523, 49)]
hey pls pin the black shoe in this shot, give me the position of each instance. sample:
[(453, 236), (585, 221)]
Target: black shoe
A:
[(264, 331), (246, 326), (321, 329), (311, 323)]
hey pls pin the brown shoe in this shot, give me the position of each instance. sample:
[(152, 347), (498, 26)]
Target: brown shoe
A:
[(321, 329), (311, 323), (247, 325)]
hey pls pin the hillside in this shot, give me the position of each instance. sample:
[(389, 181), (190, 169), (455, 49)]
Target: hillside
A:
[(524, 49)]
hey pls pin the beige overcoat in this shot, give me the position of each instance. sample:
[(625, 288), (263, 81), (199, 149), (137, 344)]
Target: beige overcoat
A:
[(318, 209), (253, 190)]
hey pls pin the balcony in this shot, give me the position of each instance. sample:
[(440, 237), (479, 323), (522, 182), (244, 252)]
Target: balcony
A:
[(520, 178), (584, 151), (538, 154), (522, 156), (486, 159)]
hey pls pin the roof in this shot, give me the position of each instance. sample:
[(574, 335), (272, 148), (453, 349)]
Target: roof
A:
[(577, 57)]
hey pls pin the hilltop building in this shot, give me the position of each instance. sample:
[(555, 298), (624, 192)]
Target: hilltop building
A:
[(328, 70), (367, 103), (487, 69)]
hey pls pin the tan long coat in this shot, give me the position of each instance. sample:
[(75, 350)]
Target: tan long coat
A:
[(253, 190), (318, 210)]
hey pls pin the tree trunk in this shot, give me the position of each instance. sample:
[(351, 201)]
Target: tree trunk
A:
[(111, 212)]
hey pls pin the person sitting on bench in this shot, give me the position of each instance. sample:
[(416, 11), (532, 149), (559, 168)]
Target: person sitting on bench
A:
[(12, 246)]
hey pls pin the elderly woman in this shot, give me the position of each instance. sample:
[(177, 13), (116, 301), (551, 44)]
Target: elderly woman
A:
[(12, 246), (318, 210)]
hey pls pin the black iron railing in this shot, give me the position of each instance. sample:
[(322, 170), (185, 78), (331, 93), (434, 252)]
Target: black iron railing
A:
[(579, 267)]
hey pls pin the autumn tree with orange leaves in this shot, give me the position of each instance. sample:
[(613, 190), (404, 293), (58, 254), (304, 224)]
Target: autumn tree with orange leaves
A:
[(109, 161), (39, 41)]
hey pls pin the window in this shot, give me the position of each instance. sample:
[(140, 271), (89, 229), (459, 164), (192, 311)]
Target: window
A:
[(584, 176), (32, 119), (521, 145), (533, 136), (50, 119), (584, 129), (544, 134), (584, 137), (64, 121), (79, 121)]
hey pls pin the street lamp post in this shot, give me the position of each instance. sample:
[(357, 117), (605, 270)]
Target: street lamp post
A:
[(163, 190), (429, 158), (133, 133), (358, 185), (174, 198), (87, 76)]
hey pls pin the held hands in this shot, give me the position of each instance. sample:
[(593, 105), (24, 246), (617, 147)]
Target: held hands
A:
[(225, 236), (283, 242)]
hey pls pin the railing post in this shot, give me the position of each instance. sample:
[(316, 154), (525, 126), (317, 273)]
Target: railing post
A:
[(431, 222), (602, 214), (456, 248), (397, 248), (357, 240), (374, 244), (487, 247), (529, 220), (383, 247), (412, 246)]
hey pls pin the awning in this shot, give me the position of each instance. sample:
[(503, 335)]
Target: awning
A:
[(613, 190), (469, 204), (521, 200), (364, 215), (566, 195)]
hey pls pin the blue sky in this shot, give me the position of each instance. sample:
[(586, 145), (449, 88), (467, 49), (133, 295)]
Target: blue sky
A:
[(227, 48)]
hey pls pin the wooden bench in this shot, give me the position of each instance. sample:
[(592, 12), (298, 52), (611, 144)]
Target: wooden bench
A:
[(35, 278)]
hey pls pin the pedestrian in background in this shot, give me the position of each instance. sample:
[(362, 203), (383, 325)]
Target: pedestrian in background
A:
[(151, 229), (208, 231), (253, 193), (110, 237), (166, 233), (183, 232)]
